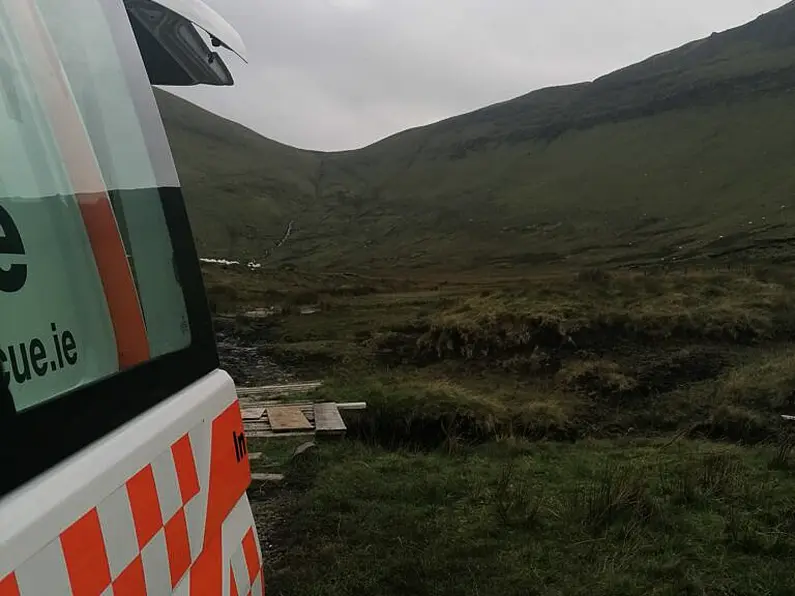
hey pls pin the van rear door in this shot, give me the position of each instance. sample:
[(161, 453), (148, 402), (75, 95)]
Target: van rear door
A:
[(174, 51)]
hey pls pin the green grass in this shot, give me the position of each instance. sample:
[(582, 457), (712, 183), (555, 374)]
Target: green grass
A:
[(276, 452), (599, 432), (558, 356), (595, 518)]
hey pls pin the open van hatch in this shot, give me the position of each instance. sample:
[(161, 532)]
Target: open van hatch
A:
[(173, 50)]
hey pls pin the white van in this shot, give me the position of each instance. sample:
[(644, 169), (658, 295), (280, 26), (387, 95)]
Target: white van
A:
[(124, 465)]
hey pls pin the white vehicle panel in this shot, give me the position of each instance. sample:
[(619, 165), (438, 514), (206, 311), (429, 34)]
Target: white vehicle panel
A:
[(31, 516)]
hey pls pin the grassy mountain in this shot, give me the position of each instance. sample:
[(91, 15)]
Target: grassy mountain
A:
[(240, 186), (683, 156)]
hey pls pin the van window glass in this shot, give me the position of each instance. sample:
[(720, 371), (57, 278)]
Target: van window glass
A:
[(100, 61), (55, 331), (56, 327)]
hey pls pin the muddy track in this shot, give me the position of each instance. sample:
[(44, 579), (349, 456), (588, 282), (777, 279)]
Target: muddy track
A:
[(244, 358)]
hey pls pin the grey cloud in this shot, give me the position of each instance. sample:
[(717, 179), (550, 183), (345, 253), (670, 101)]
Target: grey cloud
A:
[(338, 74)]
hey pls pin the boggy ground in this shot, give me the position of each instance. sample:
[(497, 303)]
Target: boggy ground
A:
[(601, 432)]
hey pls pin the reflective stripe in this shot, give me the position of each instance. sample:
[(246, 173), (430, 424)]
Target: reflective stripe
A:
[(168, 493), (85, 555), (230, 474), (183, 589), (45, 572), (118, 528), (155, 560), (194, 518), (252, 557), (240, 571), (8, 586), (232, 584), (258, 587), (132, 581), (127, 545), (145, 506), (196, 509), (178, 547), (185, 465), (206, 575), (245, 567)]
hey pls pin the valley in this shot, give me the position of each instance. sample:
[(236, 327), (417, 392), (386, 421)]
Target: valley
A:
[(570, 314)]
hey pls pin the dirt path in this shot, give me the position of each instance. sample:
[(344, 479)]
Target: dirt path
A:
[(274, 505), (244, 358)]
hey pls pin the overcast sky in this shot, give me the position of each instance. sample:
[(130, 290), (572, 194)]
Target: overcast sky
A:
[(340, 74)]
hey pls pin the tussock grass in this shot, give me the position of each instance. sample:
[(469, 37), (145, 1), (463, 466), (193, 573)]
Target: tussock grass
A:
[(693, 308), (596, 517), (518, 437), (620, 495), (430, 413), (768, 383), (566, 355)]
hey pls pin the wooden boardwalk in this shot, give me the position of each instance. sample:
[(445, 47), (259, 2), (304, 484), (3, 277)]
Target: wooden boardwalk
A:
[(273, 411)]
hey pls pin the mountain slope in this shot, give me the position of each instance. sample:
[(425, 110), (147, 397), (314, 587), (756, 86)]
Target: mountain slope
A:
[(242, 189), (686, 154)]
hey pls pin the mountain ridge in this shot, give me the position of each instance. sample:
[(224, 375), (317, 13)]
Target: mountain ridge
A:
[(651, 155)]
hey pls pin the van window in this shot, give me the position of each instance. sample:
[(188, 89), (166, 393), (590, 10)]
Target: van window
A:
[(56, 329), (98, 66)]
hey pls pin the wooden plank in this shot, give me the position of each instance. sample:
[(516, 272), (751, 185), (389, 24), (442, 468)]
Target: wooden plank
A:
[(257, 426), (307, 411), (303, 407), (306, 406), (328, 419), (287, 418), (247, 402), (288, 387), (356, 405), (252, 413), (266, 423), (269, 434), (259, 477), (252, 403)]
